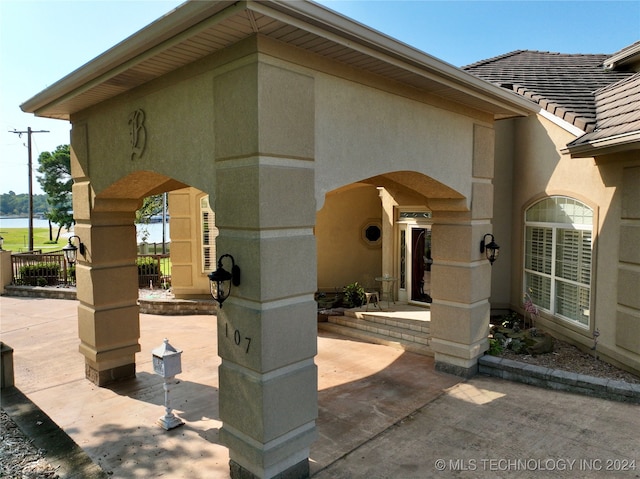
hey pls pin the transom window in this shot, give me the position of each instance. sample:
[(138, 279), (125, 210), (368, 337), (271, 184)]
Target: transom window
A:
[(557, 262)]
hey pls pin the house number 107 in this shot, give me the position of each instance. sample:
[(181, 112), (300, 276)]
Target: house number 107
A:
[(237, 337)]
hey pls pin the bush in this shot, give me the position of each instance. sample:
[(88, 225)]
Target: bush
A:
[(148, 271), (495, 347), (354, 295), (147, 266), (39, 274)]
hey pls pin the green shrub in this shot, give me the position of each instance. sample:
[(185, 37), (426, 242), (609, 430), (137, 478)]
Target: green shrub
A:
[(39, 274), (354, 295), (147, 266), (71, 273), (495, 347)]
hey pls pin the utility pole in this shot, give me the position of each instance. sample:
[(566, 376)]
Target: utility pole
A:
[(29, 132)]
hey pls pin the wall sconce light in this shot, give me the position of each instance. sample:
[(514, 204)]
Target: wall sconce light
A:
[(71, 251), (1, 242), (220, 280), (491, 249)]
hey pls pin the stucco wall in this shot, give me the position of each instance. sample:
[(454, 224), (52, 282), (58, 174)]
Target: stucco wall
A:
[(343, 256), (362, 132), (188, 278), (178, 127), (501, 271), (541, 169)]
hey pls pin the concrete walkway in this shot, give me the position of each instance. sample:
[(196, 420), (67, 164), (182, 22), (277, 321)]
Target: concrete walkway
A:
[(383, 413)]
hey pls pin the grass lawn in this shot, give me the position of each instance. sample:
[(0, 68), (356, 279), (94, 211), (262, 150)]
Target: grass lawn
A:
[(17, 240)]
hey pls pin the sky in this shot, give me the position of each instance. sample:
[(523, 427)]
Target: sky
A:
[(43, 41)]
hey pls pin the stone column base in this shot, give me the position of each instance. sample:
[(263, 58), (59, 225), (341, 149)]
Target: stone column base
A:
[(6, 366), (108, 376), (461, 371), (297, 471)]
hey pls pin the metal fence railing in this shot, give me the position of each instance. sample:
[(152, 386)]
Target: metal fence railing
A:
[(51, 269), (35, 269), (154, 270)]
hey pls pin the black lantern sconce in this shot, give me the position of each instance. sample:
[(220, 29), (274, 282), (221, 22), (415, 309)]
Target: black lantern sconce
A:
[(71, 251), (220, 280), (491, 249), (1, 242)]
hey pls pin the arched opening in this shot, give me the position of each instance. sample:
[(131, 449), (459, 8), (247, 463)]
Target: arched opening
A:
[(380, 227), (107, 275)]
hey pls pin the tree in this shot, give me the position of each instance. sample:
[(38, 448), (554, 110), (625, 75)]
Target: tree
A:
[(151, 206), (56, 181), (12, 204)]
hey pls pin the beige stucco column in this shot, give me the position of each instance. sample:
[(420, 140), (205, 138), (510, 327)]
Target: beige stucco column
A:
[(265, 212), (461, 286), (461, 275), (388, 230), (5, 269), (107, 285)]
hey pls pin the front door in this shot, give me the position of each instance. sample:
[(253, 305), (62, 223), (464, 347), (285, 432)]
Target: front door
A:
[(421, 264), (415, 257)]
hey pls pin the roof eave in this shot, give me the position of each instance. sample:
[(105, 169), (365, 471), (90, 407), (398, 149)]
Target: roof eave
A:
[(308, 15), (605, 146), (172, 23), (394, 48), (627, 55)]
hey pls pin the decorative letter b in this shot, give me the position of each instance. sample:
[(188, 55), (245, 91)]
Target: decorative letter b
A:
[(138, 133)]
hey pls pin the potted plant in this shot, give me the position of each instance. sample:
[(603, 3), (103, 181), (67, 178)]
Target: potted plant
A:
[(353, 295)]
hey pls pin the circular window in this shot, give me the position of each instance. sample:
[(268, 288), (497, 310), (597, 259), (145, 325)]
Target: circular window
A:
[(372, 233)]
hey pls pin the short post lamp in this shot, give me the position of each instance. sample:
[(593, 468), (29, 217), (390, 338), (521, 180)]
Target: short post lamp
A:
[(71, 251), (167, 363), (490, 249), (220, 280)]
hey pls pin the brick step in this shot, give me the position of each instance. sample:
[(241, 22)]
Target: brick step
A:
[(379, 333), (392, 321)]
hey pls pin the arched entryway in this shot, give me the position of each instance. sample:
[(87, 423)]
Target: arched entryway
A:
[(107, 275), (398, 213)]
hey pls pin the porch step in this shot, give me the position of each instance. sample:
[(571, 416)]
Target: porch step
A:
[(401, 320), (399, 333)]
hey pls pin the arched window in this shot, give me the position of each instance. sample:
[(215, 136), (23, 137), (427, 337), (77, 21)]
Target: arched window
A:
[(557, 259)]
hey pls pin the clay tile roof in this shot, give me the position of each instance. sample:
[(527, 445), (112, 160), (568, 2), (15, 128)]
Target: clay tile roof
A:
[(617, 109), (562, 84)]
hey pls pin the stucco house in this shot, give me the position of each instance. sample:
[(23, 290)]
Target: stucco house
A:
[(567, 195), (318, 152)]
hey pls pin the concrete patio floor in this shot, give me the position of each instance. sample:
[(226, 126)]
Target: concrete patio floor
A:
[(383, 413)]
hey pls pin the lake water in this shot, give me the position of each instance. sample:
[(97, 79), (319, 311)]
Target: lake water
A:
[(154, 229)]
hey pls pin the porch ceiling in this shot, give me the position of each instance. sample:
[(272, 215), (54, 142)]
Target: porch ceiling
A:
[(197, 29)]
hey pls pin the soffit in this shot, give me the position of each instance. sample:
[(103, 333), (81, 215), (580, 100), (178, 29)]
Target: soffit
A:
[(197, 29)]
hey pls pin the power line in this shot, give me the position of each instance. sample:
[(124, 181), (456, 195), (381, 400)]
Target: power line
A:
[(29, 132)]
